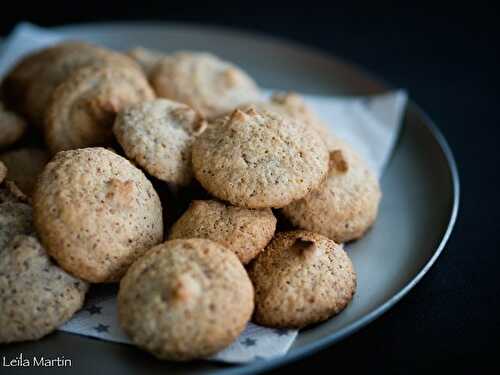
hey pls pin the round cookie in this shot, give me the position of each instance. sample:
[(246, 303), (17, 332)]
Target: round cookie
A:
[(259, 159), (96, 213), (301, 278), (158, 135), (244, 231), (206, 83), (146, 58), (12, 127), (345, 205), (185, 299), (15, 218), (293, 106), (3, 171), (37, 296), (24, 165), (83, 108)]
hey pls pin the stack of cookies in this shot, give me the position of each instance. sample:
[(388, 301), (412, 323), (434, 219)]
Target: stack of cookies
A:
[(88, 205)]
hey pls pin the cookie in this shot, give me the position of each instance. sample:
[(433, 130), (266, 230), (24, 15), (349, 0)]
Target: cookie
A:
[(185, 299), (301, 278), (3, 171), (96, 213), (24, 165), (15, 218), (146, 58), (83, 108), (345, 205), (12, 127), (206, 83), (37, 296), (292, 105), (244, 231), (158, 136), (259, 159), (9, 192)]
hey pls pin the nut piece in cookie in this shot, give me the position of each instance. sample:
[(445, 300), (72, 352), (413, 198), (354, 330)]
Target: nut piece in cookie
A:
[(83, 108), (345, 206), (37, 296), (259, 159), (158, 135), (24, 165), (12, 127), (185, 299), (96, 213), (301, 278), (244, 231), (206, 83)]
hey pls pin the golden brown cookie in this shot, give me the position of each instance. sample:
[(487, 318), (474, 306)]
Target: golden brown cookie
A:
[(206, 83), (12, 127), (244, 231), (158, 135), (83, 108), (345, 205), (37, 296), (259, 159), (96, 213), (3, 171), (15, 218), (301, 278), (24, 165), (146, 58), (185, 299), (292, 105)]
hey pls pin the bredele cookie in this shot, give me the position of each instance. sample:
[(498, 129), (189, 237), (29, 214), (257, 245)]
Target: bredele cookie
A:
[(15, 218), (345, 205), (259, 159), (301, 278), (96, 213), (24, 165), (158, 136), (37, 296), (244, 231), (293, 106), (206, 83), (12, 127), (185, 299), (146, 58), (83, 108)]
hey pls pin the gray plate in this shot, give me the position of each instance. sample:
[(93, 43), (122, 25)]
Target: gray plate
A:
[(419, 208)]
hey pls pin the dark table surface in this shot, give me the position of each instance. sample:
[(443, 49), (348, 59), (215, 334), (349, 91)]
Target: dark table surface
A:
[(447, 58)]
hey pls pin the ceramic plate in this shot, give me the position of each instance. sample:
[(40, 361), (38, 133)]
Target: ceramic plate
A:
[(417, 213)]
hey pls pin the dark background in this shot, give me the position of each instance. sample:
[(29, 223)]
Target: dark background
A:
[(448, 59)]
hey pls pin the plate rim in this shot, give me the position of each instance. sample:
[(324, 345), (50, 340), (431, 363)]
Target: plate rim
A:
[(309, 349)]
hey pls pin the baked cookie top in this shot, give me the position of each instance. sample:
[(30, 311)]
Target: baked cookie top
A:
[(292, 105), (346, 204), (96, 213), (37, 296), (24, 165), (244, 231), (15, 218), (259, 159), (146, 58), (301, 278), (158, 135), (12, 127), (83, 108), (206, 83), (185, 299)]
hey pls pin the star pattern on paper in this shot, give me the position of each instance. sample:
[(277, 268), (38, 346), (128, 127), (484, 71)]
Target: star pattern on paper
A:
[(94, 309), (249, 342), (101, 328)]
